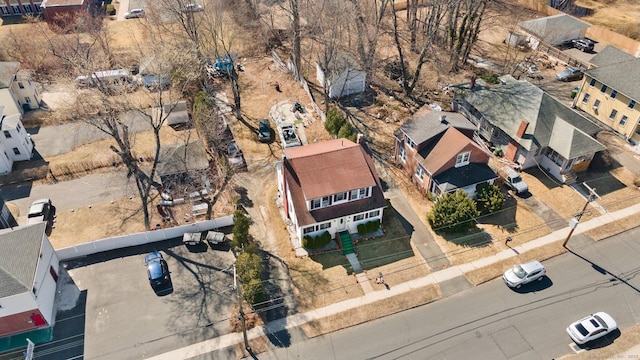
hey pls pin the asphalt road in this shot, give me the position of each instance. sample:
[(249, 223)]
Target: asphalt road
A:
[(71, 194), (494, 322)]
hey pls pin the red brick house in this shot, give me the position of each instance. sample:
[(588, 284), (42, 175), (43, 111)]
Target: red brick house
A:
[(436, 150)]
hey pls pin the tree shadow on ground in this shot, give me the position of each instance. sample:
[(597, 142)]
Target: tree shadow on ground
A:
[(279, 299), (604, 183), (504, 219), (472, 238), (244, 196)]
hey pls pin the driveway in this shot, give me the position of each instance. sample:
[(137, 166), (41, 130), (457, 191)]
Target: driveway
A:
[(126, 319)]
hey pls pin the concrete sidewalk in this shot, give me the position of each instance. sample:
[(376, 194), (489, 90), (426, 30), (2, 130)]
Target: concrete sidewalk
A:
[(371, 297)]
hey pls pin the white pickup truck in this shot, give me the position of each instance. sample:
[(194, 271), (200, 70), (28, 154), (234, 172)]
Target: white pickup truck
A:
[(39, 211)]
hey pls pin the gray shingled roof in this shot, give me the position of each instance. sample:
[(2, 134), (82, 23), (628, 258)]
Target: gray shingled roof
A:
[(549, 26), (508, 105), (610, 55), (624, 77), (180, 158), (19, 255), (7, 71), (425, 124)]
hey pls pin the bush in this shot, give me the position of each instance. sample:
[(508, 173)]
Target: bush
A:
[(335, 120), (249, 267), (316, 242), (454, 212), (490, 198), (253, 292), (347, 132), (362, 229), (111, 10), (240, 230)]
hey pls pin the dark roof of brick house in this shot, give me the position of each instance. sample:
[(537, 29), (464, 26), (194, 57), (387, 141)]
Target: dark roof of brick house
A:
[(427, 123), (327, 168), (19, 256), (457, 178)]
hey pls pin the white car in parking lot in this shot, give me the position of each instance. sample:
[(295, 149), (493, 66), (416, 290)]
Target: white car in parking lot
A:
[(523, 274)]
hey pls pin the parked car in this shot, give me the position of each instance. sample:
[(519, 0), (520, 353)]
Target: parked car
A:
[(584, 45), (193, 8), (157, 270), (523, 274), (570, 74), (235, 155), (40, 211), (264, 131), (513, 180), (591, 327), (134, 14)]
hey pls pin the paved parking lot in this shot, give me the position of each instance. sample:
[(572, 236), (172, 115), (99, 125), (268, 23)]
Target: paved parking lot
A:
[(126, 319)]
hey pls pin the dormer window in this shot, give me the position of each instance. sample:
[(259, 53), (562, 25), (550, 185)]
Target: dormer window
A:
[(463, 159), (358, 194)]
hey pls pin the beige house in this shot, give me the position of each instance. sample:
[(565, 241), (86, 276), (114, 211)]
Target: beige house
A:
[(609, 92)]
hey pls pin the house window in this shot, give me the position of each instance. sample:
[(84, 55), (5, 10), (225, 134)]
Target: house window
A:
[(623, 120), (16, 9), (358, 217), (18, 128), (16, 151), (411, 144), (308, 230), (613, 114), (326, 201), (27, 9), (315, 203), (20, 84), (374, 213), (463, 158), (340, 197), (52, 271), (632, 104), (358, 194), (603, 88), (420, 173), (596, 105), (592, 83), (614, 94), (403, 154), (585, 98), (4, 10), (7, 134), (27, 99), (324, 226)]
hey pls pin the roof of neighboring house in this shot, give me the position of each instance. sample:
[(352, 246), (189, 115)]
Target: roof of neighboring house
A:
[(327, 168), (551, 25), (506, 106), (623, 76), (610, 55), (427, 123), (51, 3), (459, 177), (8, 70), (19, 256), (340, 61), (180, 158), (451, 143), (10, 122)]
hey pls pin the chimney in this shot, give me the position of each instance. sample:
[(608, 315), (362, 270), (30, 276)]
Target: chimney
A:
[(360, 138), (443, 119), (472, 83), (523, 128)]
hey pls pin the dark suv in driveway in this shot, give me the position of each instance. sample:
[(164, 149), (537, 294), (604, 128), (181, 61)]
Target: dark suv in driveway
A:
[(584, 45)]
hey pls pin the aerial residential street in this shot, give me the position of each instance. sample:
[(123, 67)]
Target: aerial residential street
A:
[(493, 322)]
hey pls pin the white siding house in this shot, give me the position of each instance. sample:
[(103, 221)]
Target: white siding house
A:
[(15, 142), (29, 269)]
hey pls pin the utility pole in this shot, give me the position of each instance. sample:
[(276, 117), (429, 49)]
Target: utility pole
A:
[(573, 223), (236, 286)]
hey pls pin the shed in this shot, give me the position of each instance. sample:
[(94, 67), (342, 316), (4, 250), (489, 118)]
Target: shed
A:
[(343, 76), (176, 160)]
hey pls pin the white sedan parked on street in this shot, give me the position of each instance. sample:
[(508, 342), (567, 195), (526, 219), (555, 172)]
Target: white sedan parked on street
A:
[(523, 274), (591, 327)]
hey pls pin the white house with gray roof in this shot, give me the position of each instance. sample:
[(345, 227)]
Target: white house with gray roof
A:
[(554, 30), (532, 128), (609, 92), (29, 271)]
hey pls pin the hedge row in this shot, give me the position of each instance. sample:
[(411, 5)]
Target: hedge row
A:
[(316, 242), (368, 227)]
